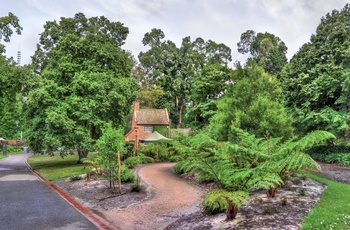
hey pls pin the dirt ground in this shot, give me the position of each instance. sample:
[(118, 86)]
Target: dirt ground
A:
[(170, 202)]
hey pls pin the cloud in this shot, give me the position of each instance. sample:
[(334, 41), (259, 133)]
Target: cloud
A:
[(221, 21)]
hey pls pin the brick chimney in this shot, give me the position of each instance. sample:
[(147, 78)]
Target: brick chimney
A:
[(136, 106), (134, 115)]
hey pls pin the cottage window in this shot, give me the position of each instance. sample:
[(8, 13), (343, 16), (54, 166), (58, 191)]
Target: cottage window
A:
[(147, 128)]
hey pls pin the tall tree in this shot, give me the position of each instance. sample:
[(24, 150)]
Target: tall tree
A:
[(84, 83), (268, 50), (316, 82), (11, 80), (251, 103), (175, 68), (7, 25), (207, 88)]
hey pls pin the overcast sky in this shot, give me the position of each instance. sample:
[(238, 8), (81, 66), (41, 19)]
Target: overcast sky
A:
[(222, 21)]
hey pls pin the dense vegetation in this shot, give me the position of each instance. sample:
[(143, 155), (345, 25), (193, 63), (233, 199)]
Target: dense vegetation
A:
[(253, 124)]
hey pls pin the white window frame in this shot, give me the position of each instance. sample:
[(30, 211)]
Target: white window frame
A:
[(148, 128)]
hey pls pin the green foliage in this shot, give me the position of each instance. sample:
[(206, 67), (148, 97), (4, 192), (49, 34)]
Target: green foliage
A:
[(316, 82), (7, 24), (266, 49), (174, 69), (109, 144), (207, 88), (133, 161), (149, 96), (252, 104), (127, 176), (252, 163), (136, 187), (84, 84), (215, 200), (331, 154)]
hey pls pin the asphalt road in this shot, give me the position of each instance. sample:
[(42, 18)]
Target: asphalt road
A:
[(26, 202)]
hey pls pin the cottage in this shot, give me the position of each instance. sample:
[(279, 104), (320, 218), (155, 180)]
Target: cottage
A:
[(143, 121)]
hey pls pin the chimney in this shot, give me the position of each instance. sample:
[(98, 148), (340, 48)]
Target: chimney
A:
[(136, 106)]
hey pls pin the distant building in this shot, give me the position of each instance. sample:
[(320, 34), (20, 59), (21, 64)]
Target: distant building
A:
[(143, 121)]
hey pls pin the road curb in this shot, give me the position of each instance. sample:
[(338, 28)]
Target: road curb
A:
[(90, 215)]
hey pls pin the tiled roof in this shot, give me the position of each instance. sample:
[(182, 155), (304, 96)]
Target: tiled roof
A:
[(152, 117)]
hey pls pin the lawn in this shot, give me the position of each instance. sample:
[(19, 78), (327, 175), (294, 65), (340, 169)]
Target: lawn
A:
[(333, 210), (55, 167)]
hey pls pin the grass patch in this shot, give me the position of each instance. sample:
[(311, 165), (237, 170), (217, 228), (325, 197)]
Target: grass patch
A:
[(333, 210), (54, 167), (2, 156)]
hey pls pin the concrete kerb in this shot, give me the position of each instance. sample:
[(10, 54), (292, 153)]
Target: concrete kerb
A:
[(90, 215)]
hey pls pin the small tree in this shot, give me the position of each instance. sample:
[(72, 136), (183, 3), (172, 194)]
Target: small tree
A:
[(109, 144)]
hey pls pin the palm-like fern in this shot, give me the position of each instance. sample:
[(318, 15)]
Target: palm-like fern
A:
[(218, 200), (253, 163)]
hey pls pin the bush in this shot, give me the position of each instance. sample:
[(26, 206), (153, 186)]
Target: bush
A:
[(127, 175), (331, 154), (132, 162), (136, 187), (181, 168)]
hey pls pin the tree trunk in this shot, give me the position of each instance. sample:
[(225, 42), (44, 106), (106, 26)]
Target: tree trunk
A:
[(271, 192), (119, 173), (82, 153), (180, 110), (231, 211)]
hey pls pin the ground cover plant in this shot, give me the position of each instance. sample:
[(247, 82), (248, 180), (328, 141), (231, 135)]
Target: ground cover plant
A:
[(331, 154), (333, 210)]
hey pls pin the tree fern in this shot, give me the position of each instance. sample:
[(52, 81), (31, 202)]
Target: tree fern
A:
[(218, 200)]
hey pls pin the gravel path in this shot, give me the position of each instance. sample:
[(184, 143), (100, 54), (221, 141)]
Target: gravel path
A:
[(158, 210), (335, 172)]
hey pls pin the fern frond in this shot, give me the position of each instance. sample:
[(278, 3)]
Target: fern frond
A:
[(297, 161), (265, 181), (310, 140), (215, 200)]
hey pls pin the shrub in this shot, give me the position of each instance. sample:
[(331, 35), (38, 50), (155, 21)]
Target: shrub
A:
[(127, 175), (133, 161), (136, 187), (74, 178), (331, 154)]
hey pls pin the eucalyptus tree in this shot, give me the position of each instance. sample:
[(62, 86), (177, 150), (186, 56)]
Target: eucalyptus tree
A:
[(316, 83), (175, 69), (268, 50), (84, 83)]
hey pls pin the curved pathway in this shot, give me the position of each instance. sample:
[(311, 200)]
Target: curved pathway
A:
[(169, 198)]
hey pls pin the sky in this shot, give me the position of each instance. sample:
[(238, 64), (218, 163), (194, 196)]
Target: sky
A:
[(222, 21)]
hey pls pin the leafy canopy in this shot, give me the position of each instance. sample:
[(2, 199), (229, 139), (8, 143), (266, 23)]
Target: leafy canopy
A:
[(266, 49), (316, 82), (84, 83), (175, 69), (251, 103)]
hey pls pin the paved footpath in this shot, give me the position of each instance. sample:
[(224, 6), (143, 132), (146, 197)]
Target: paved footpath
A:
[(26, 202)]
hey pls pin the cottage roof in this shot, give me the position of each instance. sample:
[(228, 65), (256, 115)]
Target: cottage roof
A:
[(152, 117)]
